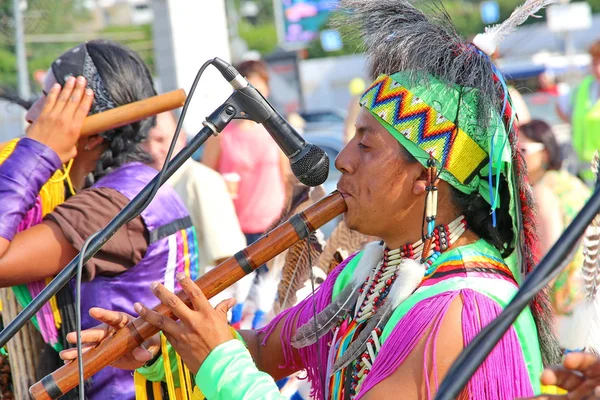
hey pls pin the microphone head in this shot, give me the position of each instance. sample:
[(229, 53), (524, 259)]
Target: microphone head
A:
[(311, 168)]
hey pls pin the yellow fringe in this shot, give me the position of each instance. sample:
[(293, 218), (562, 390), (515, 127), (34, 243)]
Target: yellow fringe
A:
[(182, 383), (54, 308), (552, 390), (53, 192), (139, 383), (156, 391), (167, 364), (188, 382)]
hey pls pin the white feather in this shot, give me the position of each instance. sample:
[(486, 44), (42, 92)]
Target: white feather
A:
[(372, 254), (489, 41), (410, 275), (265, 290), (582, 329)]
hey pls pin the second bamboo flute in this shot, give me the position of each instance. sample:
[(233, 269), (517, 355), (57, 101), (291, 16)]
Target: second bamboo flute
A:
[(244, 262), (130, 113)]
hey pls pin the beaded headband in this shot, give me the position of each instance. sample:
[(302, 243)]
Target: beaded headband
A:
[(432, 119)]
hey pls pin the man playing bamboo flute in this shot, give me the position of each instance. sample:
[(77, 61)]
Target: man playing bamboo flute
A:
[(434, 171)]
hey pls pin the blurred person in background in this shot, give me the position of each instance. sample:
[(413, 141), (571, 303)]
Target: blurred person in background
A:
[(548, 85), (581, 108), (560, 196), (252, 164), (209, 203), (519, 105), (255, 169), (356, 87), (203, 192)]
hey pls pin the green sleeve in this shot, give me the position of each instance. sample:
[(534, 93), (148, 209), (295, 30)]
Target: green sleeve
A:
[(230, 373), (156, 371)]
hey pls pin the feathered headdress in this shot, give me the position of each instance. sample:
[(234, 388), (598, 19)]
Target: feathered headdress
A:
[(442, 97)]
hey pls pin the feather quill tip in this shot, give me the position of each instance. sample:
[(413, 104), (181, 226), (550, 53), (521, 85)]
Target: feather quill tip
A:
[(484, 43)]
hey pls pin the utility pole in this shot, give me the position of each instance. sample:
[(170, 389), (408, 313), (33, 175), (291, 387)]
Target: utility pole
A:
[(22, 71)]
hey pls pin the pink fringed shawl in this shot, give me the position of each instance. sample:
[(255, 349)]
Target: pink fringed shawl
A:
[(503, 375), (24, 293)]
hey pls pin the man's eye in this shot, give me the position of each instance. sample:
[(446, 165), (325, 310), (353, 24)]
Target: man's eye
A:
[(362, 146)]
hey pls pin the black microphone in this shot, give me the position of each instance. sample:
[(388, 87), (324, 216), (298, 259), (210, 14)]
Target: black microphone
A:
[(310, 164)]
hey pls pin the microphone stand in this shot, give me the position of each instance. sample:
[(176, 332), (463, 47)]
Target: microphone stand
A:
[(551, 265), (214, 124)]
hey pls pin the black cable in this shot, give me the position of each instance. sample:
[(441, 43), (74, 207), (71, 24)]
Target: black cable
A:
[(161, 174), (147, 201)]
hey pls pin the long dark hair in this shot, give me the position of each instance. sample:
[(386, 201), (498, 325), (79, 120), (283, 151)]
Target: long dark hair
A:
[(126, 79)]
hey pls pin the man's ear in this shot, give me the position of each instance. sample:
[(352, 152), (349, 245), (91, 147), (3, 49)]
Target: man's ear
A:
[(420, 184)]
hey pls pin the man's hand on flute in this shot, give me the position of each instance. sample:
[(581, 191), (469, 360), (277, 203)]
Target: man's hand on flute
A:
[(200, 329), (111, 322)]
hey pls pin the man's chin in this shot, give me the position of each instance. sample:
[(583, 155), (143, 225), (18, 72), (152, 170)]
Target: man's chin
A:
[(349, 221)]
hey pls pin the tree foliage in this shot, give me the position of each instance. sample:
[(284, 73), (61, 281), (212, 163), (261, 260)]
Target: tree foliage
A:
[(46, 17)]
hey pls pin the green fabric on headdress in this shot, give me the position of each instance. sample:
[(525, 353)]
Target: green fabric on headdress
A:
[(430, 117)]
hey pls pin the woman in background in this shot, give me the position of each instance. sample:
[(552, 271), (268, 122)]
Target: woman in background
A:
[(252, 164), (560, 195)]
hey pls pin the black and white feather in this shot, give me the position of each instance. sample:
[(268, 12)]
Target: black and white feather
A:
[(583, 331), (343, 303)]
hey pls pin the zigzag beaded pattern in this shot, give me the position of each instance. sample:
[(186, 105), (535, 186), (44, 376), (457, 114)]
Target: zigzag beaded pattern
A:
[(424, 126)]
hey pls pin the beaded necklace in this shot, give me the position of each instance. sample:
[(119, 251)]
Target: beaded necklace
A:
[(346, 382)]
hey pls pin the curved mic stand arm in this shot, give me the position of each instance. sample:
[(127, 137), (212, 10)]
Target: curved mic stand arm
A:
[(214, 124), (551, 265)]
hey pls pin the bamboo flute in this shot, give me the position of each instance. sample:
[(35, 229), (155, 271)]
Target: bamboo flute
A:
[(233, 269), (130, 113)]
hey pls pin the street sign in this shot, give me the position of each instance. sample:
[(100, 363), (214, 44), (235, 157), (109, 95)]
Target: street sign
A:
[(569, 17), (490, 12)]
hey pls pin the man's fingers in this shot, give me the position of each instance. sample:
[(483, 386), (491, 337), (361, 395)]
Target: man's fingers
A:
[(51, 97), (141, 354), (585, 362), (158, 320), (76, 96), (170, 300), (92, 335), (71, 354), (64, 95), (225, 306), (196, 296), (562, 377), (112, 318)]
